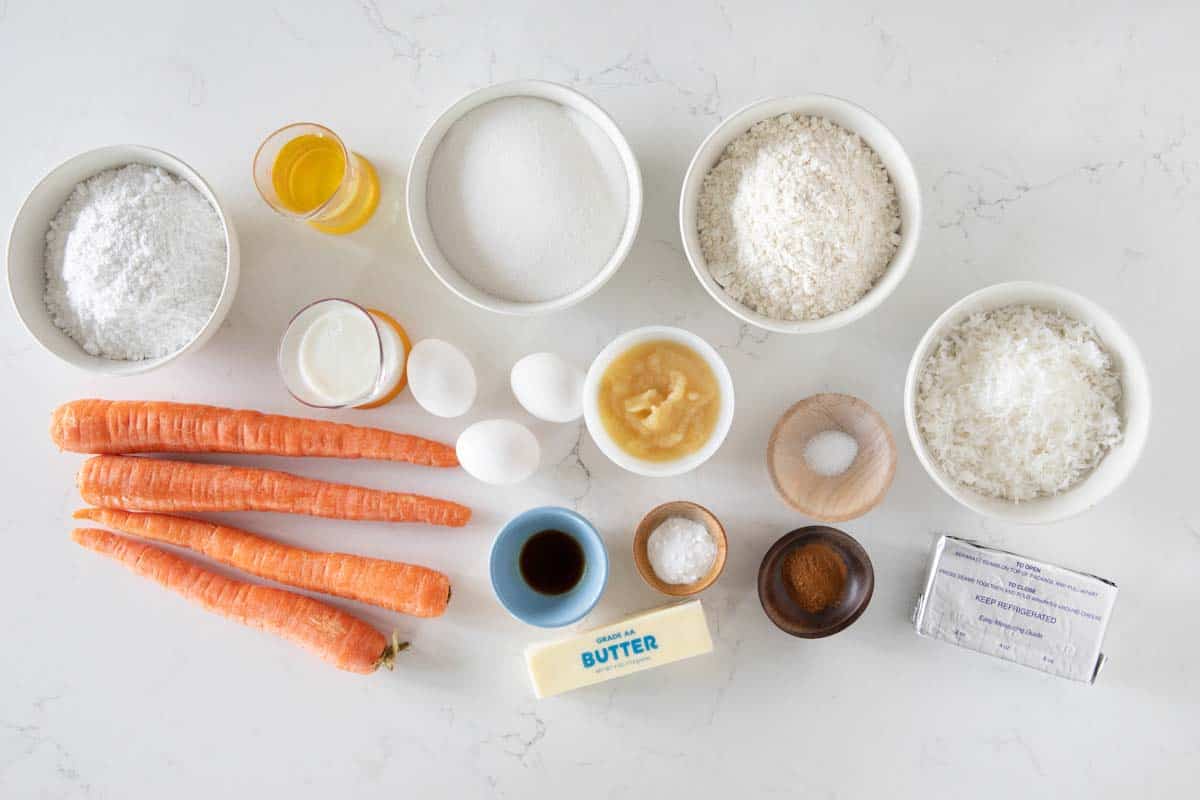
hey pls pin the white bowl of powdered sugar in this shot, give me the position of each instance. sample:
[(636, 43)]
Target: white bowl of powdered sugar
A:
[(800, 214), (524, 197), (121, 260)]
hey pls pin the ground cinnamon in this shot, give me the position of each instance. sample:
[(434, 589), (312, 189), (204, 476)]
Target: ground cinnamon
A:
[(815, 575)]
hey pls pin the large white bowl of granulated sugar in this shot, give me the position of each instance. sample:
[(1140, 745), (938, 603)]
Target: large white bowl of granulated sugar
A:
[(524, 198), (136, 318), (805, 229)]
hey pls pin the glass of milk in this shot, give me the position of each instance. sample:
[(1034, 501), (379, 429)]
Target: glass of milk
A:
[(337, 354)]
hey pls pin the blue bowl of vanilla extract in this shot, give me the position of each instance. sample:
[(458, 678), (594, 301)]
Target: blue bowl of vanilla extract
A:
[(549, 567)]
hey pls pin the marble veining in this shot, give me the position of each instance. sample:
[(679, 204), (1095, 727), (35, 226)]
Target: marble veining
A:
[(1054, 141)]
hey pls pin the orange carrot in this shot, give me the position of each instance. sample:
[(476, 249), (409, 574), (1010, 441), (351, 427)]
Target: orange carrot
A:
[(147, 484), (340, 638), (107, 426), (406, 588)]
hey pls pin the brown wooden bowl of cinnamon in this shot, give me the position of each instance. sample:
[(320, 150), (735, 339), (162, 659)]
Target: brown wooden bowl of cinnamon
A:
[(815, 581)]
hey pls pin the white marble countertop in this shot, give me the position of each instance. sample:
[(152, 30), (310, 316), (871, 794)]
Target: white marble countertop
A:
[(1054, 142)]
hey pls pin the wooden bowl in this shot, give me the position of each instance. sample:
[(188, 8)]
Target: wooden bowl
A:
[(833, 498), (687, 510), (786, 613)]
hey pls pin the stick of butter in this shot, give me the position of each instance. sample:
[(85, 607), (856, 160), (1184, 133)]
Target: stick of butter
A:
[(647, 640)]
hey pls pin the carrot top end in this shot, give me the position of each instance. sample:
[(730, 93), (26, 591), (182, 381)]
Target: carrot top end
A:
[(387, 658)]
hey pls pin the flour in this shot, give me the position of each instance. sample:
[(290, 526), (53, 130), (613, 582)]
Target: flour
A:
[(527, 198), (798, 219), (135, 263)]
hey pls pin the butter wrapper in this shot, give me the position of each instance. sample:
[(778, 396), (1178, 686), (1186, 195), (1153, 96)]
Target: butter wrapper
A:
[(1022, 610), (644, 641)]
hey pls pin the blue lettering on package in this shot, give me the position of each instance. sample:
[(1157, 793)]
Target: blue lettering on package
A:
[(616, 652)]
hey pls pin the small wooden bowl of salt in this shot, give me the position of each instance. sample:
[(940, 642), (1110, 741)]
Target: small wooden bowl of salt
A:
[(831, 457), (673, 544)]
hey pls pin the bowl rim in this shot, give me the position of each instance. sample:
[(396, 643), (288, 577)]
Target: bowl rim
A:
[(744, 118), (538, 511), (846, 543), (641, 538), (1121, 346), (595, 426), (180, 169), (417, 212)]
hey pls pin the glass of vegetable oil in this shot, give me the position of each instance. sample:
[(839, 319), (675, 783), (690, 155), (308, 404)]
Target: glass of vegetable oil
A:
[(304, 171)]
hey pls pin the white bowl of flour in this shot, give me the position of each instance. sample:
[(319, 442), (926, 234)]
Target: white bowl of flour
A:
[(122, 216), (807, 229), (524, 197)]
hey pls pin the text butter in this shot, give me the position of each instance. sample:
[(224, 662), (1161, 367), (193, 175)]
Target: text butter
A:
[(1036, 614), (641, 642)]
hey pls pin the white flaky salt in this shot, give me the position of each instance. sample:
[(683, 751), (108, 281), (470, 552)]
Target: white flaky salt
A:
[(681, 550)]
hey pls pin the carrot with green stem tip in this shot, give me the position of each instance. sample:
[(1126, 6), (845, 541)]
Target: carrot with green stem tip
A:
[(148, 484), (126, 426), (407, 588), (340, 638)]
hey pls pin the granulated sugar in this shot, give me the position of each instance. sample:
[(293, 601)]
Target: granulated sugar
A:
[(135, 263), (527, 198), (799, 218)]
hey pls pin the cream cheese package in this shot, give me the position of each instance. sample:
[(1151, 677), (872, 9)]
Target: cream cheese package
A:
[(1022, 610), (644, 641)]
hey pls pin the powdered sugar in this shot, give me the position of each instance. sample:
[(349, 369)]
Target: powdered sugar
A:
[(798, 219), (135, 263)]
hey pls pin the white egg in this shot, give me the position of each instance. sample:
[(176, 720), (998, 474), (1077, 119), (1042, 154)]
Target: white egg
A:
[(441, 378), (548, 386), (498, 451)]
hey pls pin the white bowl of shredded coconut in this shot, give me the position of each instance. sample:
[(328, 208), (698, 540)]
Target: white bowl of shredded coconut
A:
[(121, 260), (1027, 402), (800, 214)]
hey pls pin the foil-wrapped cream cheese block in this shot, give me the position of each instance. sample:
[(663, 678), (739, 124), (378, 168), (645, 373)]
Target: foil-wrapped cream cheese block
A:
[(647, 640), (1016, 608)]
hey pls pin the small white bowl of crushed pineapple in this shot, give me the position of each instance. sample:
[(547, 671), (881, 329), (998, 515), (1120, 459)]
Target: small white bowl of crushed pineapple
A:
[(658, 401), (146, 263), (1075, 366)]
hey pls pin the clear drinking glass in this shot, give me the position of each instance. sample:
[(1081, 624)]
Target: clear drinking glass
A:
[(349, 206), (314, 350)]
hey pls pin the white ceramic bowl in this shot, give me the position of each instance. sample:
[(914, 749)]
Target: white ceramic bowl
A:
[(1135, 402), (27, 246), (849, 116), (418, 177), (591, 405)]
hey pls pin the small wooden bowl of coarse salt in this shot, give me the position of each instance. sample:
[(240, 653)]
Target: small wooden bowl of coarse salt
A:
[(679, 548), (831, 457)]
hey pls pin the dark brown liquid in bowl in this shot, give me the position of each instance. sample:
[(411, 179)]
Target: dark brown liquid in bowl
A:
[(551, 562)]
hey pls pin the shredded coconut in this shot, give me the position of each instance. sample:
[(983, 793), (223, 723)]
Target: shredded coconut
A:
[(135, 263), (799, 218), (1019, 402)]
